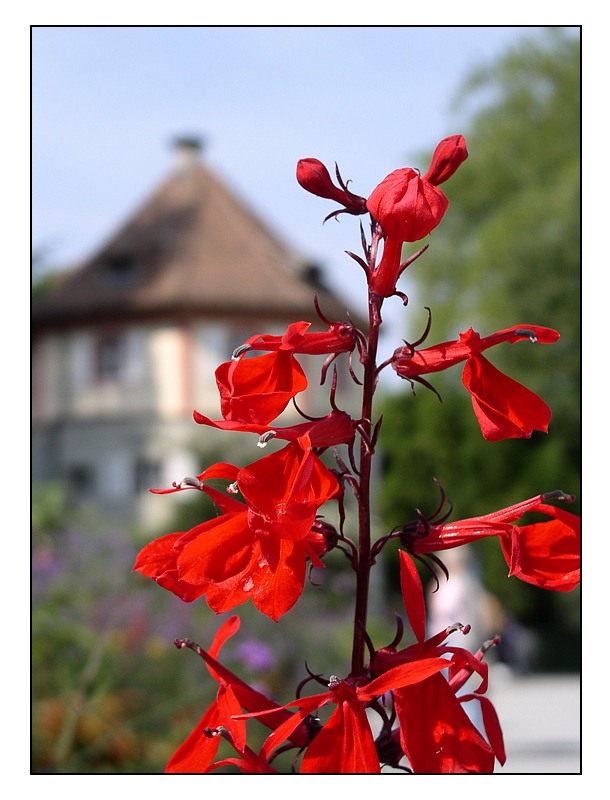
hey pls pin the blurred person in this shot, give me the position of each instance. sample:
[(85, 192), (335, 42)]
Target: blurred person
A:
[(462, 598)]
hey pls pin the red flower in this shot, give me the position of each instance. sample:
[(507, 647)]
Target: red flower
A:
[(335, 428), (345, 743), (339, 338), (503, 407), (256, 550), (409, 207), (406, 206), (257, 390), (545, 554), (436, 734), (197, 753)]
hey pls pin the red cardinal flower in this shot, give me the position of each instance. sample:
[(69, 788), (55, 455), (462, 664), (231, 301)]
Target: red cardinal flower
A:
[(339, 338), (345, 744), (258, 548), (504, 408), (436, 734), (408, 207), (335, 428), (257, 390), (545, 554), (197, 753)]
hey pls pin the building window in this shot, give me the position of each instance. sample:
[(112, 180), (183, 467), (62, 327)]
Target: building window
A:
[(120, 270), (81, 481), (147, 474), (110, 357)]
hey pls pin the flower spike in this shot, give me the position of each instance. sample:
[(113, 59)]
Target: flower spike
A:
[(271, 525)]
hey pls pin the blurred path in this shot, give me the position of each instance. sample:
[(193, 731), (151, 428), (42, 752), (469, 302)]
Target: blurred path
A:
[(540, 718)]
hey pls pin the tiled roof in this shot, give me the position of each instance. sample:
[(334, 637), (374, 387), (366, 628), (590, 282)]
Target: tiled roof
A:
[(193, 247)]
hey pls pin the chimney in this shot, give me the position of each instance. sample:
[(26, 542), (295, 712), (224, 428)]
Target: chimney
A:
[(187, 151)]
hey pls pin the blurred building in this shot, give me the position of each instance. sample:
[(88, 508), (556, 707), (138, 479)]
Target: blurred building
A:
[(124, 347)]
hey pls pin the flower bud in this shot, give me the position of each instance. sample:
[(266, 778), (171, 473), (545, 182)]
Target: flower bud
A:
[(447, 157), (313, 176)]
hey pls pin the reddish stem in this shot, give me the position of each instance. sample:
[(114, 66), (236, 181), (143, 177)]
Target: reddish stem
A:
[(364, 487)]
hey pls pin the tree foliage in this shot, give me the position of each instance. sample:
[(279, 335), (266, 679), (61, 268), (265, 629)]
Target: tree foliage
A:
[(507, 253)]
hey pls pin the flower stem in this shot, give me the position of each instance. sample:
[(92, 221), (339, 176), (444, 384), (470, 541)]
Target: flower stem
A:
[(364, 488)]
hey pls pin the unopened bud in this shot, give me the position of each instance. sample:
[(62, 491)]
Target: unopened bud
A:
[(448, 156), (313, 176)]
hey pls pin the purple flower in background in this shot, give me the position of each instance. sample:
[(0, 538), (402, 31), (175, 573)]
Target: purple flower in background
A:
[(256, 656)]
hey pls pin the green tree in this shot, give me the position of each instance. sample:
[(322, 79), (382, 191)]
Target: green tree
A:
[(506, 253)]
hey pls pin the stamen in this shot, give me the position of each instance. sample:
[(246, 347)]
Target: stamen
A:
[(233, 488), (457, 626), (559, 494), (489, 644), (526, 332), (187, 483), (212, 732), (221, 730), (334, 682), (265, 437), (243, 348)]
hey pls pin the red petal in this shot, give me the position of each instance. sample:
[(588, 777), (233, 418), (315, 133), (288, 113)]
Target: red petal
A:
[(228, 629), (504, 408), (158, 560), (345, 744), (229, 707), (277, 590), (436, 733), (198, 751), (258, 389), (385, 276), (407, 207), (286, 729), (413, 595), (546, 554), (403, 675), (285, 489), (221, 553), (492, 728)]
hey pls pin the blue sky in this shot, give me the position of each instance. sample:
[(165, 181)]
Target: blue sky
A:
[(107, 102)]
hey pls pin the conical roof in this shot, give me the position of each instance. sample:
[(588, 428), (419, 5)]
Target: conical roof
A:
[(192, 247)]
